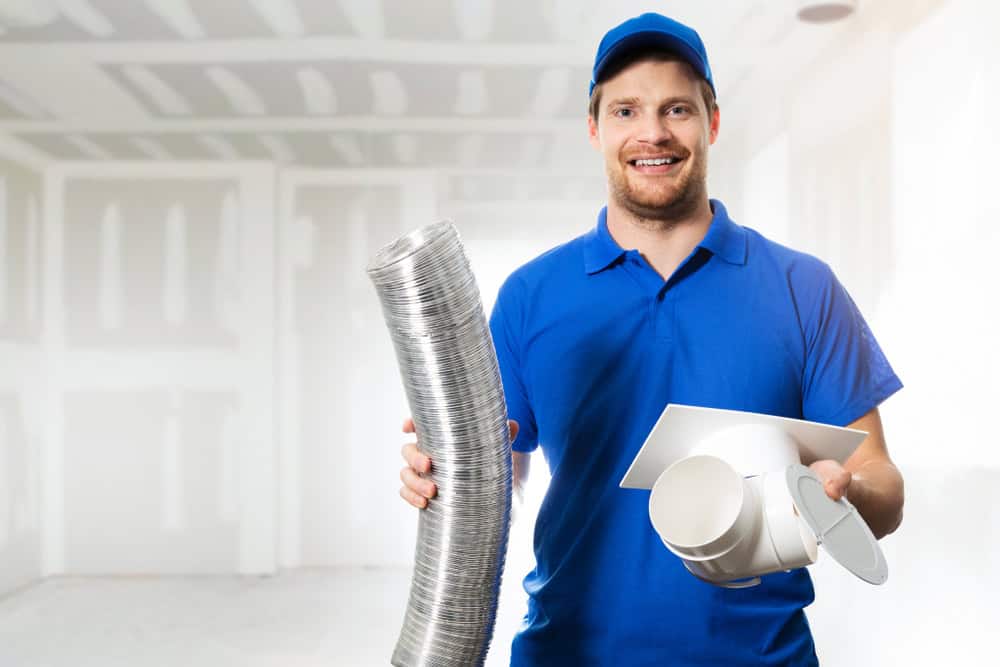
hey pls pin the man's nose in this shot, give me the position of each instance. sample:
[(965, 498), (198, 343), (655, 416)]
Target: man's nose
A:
[(654, 129)]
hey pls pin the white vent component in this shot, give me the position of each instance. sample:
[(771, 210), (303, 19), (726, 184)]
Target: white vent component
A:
[(731, 499), (109, 295), (179, 16), (151, 148), (281, 15), (219, 146), (164, 98), (83, 14), (348, 147), (473, 97), (318, 92), (390, 94)]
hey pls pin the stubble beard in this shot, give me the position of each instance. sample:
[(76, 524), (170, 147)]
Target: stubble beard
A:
[(664, 208)]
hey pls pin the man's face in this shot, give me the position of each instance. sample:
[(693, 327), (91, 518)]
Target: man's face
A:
[(654, 132)]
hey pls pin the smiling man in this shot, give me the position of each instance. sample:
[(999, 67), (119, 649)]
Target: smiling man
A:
[(667, 300)]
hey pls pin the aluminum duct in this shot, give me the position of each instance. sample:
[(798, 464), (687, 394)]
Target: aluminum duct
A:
[(449, 370)]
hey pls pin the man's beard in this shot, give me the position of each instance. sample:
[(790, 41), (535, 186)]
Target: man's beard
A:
[(663, 207)]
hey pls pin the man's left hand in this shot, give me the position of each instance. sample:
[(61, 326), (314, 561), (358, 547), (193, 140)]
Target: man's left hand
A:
[(834, 477)]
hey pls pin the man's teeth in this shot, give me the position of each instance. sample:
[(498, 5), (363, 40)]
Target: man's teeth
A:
[(657, 161)]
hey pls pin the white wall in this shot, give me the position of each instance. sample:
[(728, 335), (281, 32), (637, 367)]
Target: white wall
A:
[(158, 344), (884, 161), (20, 385)]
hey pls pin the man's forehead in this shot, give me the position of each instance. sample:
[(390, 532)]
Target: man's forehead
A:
[(655, 70), (649, 80)]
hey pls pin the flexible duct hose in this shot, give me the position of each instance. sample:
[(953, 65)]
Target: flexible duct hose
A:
[(449, 369)]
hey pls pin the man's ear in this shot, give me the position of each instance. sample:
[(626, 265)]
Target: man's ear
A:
[(595, 139), (713, 130)]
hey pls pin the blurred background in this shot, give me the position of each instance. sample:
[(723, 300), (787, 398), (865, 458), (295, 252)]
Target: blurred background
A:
[(199, 404)]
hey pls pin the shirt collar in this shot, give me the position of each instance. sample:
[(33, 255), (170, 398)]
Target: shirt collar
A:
[(724, 238)]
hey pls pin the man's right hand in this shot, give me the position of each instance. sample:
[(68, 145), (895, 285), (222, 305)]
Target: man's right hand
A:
[(417, 490)]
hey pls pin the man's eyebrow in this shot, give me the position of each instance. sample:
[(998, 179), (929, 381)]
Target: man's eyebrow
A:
[(623, 100), (634, 101)]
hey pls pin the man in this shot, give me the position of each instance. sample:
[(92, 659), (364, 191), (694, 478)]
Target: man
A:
[(667, 300)]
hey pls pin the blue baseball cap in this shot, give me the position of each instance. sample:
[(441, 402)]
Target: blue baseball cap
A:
[(651, 30)]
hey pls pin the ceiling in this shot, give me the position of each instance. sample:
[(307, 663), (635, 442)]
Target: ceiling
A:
[(463, 86)]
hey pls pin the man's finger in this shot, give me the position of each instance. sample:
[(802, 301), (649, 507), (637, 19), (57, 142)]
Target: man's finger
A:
[(515, 428), (415, 458), (414, 499), (408, 426), (416, 483)]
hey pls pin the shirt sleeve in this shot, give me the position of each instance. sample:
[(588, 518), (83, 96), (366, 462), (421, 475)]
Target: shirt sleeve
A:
[(507, 341), (845, 374)]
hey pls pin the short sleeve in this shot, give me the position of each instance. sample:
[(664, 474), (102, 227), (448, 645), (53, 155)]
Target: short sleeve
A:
[(845, 374), (505, 326)]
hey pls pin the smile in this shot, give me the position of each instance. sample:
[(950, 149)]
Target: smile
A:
[(655, 162)]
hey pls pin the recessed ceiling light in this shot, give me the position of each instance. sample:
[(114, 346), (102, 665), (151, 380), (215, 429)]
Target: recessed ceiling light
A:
[(825, 11)]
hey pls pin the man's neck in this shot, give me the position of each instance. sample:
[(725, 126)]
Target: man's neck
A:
[(663, 243)]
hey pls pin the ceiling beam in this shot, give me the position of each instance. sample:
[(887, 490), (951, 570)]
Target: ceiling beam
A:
[(303, 49), (449, 124)]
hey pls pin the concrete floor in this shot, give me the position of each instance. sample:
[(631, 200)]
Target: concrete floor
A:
[(302, 618)]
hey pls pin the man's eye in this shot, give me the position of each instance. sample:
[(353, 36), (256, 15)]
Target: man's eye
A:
[(623, 113), (678, 111)]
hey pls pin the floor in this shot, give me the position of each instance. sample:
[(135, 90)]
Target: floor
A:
[(302, 618), (939, 606)]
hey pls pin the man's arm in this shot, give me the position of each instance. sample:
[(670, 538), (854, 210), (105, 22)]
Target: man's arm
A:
[(872, 482)]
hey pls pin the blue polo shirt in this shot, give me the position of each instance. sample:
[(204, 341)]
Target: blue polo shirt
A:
[(592, 345)]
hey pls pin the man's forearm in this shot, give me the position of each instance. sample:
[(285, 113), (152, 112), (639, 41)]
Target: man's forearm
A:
[(876, 489)]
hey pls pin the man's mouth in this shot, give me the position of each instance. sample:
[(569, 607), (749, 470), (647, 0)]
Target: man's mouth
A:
[(655, 165), (655, 162)]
